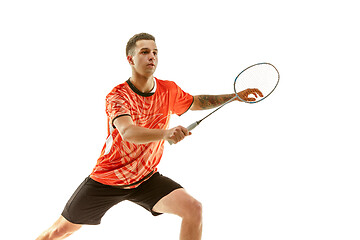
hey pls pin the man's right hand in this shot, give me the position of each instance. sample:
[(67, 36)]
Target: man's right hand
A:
[(176, 134)]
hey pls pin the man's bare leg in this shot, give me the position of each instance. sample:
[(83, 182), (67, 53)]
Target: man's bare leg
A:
[(179, 202), (61, 229)]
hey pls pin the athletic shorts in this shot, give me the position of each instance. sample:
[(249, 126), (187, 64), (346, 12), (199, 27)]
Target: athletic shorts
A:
[(92, 199)]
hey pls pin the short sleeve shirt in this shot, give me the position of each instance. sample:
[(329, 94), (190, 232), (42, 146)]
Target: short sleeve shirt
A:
[(123, 163)]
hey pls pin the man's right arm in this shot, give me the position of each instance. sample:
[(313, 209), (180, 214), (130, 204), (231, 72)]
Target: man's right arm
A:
[(140, 135)]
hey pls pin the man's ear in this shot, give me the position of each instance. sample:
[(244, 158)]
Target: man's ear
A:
[(130, 59)]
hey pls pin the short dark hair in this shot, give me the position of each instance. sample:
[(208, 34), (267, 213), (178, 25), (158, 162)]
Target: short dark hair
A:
[(130, 46)]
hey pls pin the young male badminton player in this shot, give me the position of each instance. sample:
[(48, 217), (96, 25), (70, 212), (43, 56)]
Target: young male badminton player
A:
[(138, 112)]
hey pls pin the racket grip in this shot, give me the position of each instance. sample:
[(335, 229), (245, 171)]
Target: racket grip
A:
[(192, 126), (189, 128)]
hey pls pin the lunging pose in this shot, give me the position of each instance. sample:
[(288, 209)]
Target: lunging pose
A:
[(138, 113)]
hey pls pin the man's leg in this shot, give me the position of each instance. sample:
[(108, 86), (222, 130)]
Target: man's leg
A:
[(61, 229), (179, 202)]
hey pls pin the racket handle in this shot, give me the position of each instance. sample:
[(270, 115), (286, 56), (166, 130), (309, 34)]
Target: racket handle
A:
[(189, 128), (193, 125)]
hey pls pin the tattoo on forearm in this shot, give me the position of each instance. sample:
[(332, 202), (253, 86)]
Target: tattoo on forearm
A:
[(212, 101)]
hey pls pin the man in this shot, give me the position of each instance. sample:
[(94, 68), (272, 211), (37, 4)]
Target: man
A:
[(138, 114)]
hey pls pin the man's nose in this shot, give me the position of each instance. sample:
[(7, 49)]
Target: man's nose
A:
[(152, 56)]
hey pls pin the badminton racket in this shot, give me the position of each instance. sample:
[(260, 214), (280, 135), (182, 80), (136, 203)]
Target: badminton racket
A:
[(251, 85)]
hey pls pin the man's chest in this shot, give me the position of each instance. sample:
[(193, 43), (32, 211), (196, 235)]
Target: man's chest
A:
[(150, 112)]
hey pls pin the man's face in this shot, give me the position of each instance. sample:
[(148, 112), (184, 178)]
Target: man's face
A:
[(145, 60)]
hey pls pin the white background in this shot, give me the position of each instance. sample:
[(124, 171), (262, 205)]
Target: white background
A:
[(286, 168)]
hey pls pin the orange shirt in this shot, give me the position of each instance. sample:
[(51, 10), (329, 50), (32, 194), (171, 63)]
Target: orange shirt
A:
[(123, 163)]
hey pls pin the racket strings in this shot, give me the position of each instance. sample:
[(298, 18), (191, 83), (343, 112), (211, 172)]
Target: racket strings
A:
[(263, 77)]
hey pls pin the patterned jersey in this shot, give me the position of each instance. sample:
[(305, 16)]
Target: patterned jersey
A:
[(126, 164)]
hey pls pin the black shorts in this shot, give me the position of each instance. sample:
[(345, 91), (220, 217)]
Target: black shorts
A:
[(92, 199)]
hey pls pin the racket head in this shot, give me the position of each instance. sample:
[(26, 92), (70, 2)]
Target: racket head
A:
[(263, 77)]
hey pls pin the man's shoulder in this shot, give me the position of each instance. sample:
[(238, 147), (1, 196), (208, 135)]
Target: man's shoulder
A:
[(166, 83), (118, 90)]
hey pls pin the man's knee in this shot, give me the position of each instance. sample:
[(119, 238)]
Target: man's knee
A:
[(194, 211), (64, 228), (60, 230)]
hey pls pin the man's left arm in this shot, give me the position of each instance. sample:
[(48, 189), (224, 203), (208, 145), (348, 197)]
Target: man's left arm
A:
[(204, 102)]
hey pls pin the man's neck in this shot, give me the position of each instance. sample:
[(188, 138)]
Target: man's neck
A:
[(143, 84)]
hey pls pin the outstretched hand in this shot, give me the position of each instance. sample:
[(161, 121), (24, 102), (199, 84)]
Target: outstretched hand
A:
[(246, 94)]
